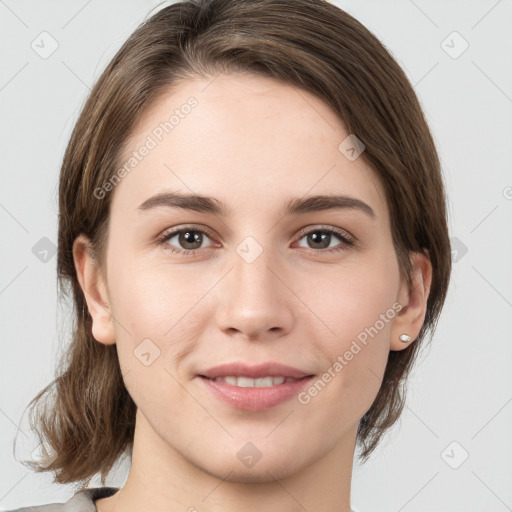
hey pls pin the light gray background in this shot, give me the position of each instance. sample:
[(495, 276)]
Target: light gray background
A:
[(461, 390)]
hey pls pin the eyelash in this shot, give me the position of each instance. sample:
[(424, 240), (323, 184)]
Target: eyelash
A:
[(346, 240)]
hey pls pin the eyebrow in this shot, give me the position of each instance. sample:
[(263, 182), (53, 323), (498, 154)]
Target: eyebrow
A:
[(295, 206)]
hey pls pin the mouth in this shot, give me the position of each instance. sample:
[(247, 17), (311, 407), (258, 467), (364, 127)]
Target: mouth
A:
[(249, 394)]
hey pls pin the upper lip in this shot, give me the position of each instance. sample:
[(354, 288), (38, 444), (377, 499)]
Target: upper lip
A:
[(239, 369)]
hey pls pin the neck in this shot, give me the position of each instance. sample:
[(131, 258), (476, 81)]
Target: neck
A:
[(161, 479)]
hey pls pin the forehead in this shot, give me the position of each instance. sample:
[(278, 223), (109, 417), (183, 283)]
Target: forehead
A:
[(243, 139)]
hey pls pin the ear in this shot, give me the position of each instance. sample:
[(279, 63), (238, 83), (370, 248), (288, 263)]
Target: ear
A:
[(413, 300), (95, 291)]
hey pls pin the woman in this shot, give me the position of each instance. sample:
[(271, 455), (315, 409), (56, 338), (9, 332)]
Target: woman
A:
[(253, 224)]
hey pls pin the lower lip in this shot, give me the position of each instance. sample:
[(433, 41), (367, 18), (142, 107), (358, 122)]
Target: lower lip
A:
[(255, 399)]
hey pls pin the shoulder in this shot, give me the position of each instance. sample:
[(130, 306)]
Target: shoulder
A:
[(81, 501)]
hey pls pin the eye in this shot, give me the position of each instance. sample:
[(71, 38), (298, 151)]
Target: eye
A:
[(321, 238), (190, 238)]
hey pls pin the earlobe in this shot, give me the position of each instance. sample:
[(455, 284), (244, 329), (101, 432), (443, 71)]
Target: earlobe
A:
[(95, 291), (413, 299)]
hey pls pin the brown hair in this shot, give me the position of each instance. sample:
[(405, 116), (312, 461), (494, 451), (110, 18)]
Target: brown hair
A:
[(309, 44)]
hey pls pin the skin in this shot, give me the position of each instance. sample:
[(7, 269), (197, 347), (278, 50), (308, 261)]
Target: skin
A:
[(253, 143)]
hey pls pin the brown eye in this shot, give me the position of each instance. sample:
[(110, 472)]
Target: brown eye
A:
[(187, 240), (320, 239)]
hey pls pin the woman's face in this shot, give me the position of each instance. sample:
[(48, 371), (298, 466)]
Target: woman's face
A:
[(254, 284)]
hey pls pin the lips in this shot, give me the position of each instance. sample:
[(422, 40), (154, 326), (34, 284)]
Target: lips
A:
[(261, 371), (253, 397), (254, 387)]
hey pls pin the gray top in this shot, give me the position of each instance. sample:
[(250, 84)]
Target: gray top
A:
[(82, 501)]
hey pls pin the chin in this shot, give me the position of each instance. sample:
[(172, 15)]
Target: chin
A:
[(258, 474), (261, 469)]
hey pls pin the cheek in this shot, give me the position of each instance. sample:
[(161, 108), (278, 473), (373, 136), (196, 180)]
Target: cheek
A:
[(353, 297), (152, 298), (155, 319), (152, 330), (359, 314)]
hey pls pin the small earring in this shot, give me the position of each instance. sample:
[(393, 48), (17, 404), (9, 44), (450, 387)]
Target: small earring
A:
[(106, 304), (404, 338)]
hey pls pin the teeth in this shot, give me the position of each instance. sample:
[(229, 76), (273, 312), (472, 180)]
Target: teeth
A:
[(247, 382)]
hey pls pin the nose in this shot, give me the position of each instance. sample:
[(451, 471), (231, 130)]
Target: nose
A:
[(254, 298)]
